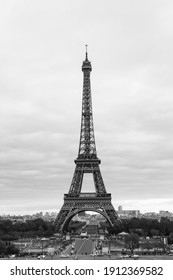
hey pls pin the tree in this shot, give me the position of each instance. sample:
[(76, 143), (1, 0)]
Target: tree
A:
[(11, 249), (6, 226), (170, 239), (154, 232), (132, 241), (139, 231), (164, 225), (146, 245), (2, 247)]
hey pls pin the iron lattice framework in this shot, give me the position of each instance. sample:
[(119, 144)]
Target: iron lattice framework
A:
[(87, 162)]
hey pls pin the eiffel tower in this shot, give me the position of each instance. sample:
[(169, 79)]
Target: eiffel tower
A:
[(87, 162)]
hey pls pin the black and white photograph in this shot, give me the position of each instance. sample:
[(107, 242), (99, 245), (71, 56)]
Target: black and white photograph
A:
[(86, 131)]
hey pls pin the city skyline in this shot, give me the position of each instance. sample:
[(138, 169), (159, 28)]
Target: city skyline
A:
[(120, 211), (42, 48)]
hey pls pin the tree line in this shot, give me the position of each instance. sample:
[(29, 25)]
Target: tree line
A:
[(143, 227), (29, 229), (41, 228)]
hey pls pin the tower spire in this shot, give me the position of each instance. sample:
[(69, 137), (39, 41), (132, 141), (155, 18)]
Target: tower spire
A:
[(86, 46), (87, 146)]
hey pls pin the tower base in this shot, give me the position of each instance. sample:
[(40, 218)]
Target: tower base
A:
[(86, 202)]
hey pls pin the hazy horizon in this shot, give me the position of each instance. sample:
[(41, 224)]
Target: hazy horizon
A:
[(32, 212)]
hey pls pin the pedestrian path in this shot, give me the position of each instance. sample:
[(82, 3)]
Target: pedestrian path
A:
[(83, 246)]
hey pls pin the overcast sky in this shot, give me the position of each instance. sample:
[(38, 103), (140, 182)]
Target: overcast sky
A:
[(42, 46)]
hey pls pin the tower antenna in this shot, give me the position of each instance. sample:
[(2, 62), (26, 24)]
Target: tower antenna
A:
[(86, 46)]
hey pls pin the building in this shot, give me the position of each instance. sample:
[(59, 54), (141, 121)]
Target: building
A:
[(127, 213)]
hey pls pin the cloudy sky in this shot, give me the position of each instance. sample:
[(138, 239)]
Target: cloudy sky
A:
[(41, 53)]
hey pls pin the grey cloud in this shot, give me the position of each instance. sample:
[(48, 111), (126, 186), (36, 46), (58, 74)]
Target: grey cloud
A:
[(130, 48)]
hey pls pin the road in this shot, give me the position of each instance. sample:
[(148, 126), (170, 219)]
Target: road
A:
[(88, 257)]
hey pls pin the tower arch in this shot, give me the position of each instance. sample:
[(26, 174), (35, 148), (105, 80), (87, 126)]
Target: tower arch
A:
[(77, 211)]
